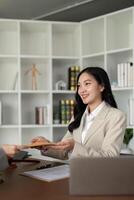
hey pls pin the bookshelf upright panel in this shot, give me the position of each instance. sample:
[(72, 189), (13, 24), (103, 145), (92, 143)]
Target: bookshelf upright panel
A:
[(92, 36)]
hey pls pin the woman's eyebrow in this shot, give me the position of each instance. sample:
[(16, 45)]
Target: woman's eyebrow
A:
[(85, 80)]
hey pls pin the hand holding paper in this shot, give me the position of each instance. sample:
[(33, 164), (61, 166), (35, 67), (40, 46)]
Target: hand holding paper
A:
[(39, 143)]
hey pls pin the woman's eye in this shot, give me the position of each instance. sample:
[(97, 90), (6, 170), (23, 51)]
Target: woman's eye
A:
[(87, 83)]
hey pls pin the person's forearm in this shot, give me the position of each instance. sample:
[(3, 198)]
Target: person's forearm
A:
[(63, 155), (3, 160)]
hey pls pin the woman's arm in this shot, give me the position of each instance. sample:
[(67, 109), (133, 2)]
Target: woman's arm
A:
[(60, 151)]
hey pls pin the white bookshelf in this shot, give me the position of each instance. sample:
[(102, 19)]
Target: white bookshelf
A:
[(112, 44), (53, 47)]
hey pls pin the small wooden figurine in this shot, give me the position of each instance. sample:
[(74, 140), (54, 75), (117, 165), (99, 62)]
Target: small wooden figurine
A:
[(34, 71)]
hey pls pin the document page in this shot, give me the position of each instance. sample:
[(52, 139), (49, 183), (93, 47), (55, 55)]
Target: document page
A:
[(49, 174)]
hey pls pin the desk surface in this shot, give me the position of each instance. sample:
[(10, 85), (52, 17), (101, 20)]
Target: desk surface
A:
[(20, 187)]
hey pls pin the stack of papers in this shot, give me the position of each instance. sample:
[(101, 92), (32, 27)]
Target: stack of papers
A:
[(50, 174)]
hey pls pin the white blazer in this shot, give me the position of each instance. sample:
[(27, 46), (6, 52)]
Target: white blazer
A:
[(104, 138)]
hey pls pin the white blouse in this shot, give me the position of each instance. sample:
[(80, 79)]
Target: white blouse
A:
[(89, 118)]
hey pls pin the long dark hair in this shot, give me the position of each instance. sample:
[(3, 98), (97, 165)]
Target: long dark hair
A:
[(102, 78)]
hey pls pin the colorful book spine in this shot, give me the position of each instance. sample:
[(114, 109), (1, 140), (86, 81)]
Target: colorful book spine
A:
[(71, 108), (66, 110), (72, 74), (62, 112)]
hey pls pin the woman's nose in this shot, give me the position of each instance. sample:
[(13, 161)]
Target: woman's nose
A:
[(81, 89)]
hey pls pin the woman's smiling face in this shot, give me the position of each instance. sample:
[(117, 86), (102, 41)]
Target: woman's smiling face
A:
[(89, 89)]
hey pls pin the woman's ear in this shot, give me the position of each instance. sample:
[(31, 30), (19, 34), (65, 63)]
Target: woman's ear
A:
[(102, 88)]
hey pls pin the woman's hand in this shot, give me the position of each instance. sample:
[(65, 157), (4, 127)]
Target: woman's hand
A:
[(40, 139), (67, 144)]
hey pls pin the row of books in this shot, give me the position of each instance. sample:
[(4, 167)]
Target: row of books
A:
[(125, 74), (73, 72), (66, 110), (42, 115)]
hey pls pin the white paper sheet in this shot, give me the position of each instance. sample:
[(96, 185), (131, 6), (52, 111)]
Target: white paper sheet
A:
[(50, 174)]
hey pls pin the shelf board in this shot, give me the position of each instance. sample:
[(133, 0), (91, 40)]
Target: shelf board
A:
[(35, 126), (60, 125), (35, 91), (122, 88), (66, 57), (119, 50), (8, 91), (132, 126), (8, 56), (9, 126), (35, 56), (63, 92), (93, 55)]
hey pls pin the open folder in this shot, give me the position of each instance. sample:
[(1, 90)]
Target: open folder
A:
[(49, 174)]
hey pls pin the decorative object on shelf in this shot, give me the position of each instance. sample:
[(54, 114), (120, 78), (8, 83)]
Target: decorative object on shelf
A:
[(60, 85), (114, 84), (73, 72), (34, 71)]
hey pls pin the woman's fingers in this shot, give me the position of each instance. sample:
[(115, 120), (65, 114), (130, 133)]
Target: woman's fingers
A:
[(39, 139)]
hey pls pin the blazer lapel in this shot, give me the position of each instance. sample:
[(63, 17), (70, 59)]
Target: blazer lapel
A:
[(97, 123)]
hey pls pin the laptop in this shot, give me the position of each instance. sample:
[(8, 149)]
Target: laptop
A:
[(102, 176)]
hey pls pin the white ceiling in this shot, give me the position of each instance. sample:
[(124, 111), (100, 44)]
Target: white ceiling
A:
[(59, 10)]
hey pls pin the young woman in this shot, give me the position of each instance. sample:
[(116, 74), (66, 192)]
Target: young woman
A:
[(97, 127)]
